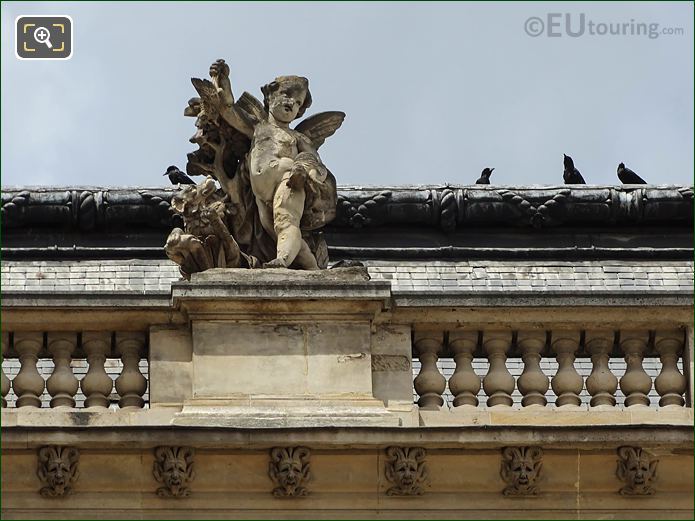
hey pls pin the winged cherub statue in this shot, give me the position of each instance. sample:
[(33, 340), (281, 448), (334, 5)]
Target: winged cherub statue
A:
[(279, 192)]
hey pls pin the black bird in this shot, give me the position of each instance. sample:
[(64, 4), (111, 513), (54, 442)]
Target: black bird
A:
[(485, 177), (177, 177), (628, 177), (572, 175)]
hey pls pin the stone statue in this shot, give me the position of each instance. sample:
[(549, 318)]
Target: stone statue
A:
[(277, 191)]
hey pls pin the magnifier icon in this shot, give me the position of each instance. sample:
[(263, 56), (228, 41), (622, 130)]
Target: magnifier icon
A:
[(43, 35)]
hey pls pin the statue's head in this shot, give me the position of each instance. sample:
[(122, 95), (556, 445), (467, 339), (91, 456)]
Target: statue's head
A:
[(287, 97), (58, 469), (289, 468)]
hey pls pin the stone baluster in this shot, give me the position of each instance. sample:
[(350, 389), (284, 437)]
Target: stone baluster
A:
[(567, 383), (62, 384), (498, 383), (130, 384), (96, 385), (28, 384), (635, 383), (601, 383), (670, 384), (429, 383), (532, 383), (5, 380), (464, 384)]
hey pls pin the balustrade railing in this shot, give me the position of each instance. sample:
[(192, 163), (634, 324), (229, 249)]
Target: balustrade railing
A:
[(559, 368), (92, 369)]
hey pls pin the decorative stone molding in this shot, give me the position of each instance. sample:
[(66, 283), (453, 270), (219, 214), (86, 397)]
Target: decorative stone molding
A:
[(58, 470), (449, 207), (521, 469), (289, 470), (390, 363), (637, 469), (174, 468), (407, 470)]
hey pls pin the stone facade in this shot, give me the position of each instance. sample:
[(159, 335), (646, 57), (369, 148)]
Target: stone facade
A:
[(485, 387)]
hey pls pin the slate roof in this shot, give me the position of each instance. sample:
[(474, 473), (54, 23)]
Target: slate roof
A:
[(428, 276)]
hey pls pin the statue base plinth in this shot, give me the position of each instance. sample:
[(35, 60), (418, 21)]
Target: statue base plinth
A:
[(282, 348)]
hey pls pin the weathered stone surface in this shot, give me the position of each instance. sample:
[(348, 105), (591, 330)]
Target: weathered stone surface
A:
[(170, 365), (278, 191)]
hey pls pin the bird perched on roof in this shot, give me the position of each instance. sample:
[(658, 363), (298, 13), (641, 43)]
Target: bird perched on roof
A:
[(485, 177), (572, 175), (177, 177), (628, 177)]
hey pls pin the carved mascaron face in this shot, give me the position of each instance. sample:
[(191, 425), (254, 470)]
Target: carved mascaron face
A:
[(289, 469), (524, 472), (173, 467), (406, 472), (290, 472), (57, 473), (58, 469), (638, 470), (521, 468), (175, 474)]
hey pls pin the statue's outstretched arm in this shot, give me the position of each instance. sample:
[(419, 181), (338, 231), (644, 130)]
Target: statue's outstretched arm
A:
[(219, 73)]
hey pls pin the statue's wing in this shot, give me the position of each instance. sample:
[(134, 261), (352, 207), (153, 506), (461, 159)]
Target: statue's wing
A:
[(251, 107), (321, 126), (208, 97)]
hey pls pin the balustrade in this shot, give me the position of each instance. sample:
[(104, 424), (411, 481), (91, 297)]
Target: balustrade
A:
[(62, 384), (498, 383), (55, 362), (464, 384), (487, 355), (601, 383), (636, 383), (131, 384), (670, 384), (5, 379), (430, 383), (28, 385), (532, 383), (475, 364), (97, 384)]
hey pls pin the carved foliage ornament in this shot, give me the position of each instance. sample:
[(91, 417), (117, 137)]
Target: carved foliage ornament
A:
[(173, 467), (521, 469), (637, 470), (58, 470), (289, 470), (406, 470)]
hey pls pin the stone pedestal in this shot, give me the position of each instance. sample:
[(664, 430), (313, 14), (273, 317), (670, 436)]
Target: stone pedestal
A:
[(282, 348)]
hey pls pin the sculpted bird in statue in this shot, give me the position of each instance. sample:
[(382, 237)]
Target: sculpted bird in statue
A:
[(571, 174), (628, 177), (177, 177), (484, 178)]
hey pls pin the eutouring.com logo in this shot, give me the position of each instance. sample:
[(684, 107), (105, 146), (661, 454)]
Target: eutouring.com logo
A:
[(556, 25)]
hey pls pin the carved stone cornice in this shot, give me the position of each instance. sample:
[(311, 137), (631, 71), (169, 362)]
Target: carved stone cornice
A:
[(448, 208)]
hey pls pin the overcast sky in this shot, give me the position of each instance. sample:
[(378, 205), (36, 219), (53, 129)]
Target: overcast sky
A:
[(433, 92)]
